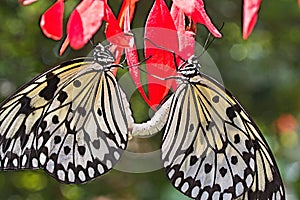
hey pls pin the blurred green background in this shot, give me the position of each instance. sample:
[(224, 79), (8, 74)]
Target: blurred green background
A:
[(263, 73)]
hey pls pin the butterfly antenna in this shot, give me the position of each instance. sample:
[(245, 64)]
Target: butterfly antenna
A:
[(122, 62), (145, 70), (158, 46), (160, 78), (92, 42), (153, 75), (139, 63), (208, 42), (169, 50)]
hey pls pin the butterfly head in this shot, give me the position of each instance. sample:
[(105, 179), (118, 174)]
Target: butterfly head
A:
[(103, 56), (190, 67)]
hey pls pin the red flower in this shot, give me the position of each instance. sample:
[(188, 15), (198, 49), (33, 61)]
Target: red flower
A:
[(84, 22), (195, 9), (161, 28), (113, 31), (186, 37), (250, 12), (125, 18), (52, 19)]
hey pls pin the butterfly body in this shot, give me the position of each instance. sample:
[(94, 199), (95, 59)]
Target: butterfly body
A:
[(72, 121)]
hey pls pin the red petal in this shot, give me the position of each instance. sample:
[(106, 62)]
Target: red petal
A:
[(178, 18), (186, 38), (299, 3), (84, 22), (161, 30), (127, 4), (250, 11), (195, 9), (113, 32), (52, 19), (26, 2), (132, 57)]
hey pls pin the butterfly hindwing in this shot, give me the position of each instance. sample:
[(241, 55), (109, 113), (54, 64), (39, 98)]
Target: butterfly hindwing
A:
[(88, 139), (72, 121), (212, 149)]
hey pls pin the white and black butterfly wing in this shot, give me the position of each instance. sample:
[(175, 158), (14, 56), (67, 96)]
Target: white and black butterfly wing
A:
[(212, 149), (69, 121), (20, 117)]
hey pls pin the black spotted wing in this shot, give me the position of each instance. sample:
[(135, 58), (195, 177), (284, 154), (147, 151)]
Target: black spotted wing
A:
[(212, 149), (70, 121)]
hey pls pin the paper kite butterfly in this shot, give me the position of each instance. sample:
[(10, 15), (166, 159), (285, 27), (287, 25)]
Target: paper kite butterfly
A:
[(72, 121), (211, 148)]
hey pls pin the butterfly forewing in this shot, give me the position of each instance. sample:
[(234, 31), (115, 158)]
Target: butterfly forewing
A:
[(212, 149), (71, 121), (20, 116)]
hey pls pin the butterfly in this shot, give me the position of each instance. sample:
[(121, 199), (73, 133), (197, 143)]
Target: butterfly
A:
[(72, 121), (211, 148)]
